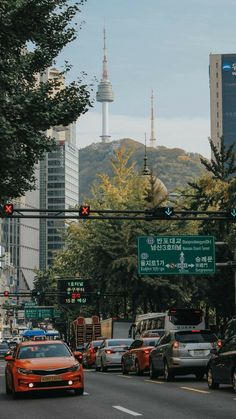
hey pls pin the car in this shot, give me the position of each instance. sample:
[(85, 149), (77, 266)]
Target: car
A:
[(229, 329), (110, 352), (89, 355), (137, 357), (222, 365), (43, 365), (182, 352), (4, 348)]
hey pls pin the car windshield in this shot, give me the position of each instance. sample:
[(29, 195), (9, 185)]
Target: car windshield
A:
[(4, 345), (195, 336), (151, 342), (120, 342), (43, 351), (97, 343)]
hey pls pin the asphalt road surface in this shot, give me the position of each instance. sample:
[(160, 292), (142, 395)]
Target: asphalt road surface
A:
[(114, 396)]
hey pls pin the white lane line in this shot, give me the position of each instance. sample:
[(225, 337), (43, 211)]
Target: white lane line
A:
[(85, 393), (130, 412), (123, 376), (196, 390), (155, 382)]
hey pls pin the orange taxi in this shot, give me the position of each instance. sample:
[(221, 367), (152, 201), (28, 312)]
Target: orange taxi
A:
[(43, 365), (136, 359)]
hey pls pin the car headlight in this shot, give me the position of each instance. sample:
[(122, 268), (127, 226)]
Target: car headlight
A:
[(74, 368), (24, 371)]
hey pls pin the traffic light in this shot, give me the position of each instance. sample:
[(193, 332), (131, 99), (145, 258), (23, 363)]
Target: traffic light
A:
[(232, 213), (6, 293), (6, 209), (84, 210), (35, 293), (161, 212)]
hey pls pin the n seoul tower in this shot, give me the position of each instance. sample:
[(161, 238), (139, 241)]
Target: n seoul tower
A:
[(105, 93)]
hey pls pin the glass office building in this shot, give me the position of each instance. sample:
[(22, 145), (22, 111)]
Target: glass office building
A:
[(222, 73), (59, 189)]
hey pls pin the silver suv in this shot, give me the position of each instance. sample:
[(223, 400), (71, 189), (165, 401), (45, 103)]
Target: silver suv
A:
[(182, 352)]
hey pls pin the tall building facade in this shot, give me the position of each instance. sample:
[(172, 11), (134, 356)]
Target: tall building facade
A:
[(222, 73), (59, 187), (20, 240)]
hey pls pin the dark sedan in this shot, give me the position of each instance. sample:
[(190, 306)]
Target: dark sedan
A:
[(222, 365)]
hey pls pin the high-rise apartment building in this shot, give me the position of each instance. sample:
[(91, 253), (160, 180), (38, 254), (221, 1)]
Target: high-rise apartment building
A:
[(222, 73), (59, 186)]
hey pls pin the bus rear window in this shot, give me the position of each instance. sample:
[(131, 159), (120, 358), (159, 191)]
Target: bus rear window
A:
[(185, 317), (198, 337)]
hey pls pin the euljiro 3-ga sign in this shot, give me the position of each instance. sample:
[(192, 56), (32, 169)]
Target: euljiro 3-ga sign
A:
[(172, 255)]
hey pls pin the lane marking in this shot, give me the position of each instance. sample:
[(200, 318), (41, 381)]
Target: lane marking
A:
[(85, 393), (155, 382), (123, 376), (130, 412), (196, 390)]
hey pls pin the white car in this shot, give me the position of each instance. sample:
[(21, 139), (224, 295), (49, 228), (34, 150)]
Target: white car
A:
[(110, 352)]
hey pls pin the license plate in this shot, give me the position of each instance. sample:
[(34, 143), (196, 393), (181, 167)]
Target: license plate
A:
[(51, 378), (199, 352)]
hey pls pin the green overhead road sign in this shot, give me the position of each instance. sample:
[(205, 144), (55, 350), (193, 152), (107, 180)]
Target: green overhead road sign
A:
[(173, 255), (41, 312)]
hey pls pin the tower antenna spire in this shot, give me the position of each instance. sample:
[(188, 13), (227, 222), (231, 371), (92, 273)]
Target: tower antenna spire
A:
[(146, 171), (152, 138), (105, 93)]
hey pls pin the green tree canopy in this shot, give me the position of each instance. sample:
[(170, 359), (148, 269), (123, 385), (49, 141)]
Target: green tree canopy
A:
[(32, 33)]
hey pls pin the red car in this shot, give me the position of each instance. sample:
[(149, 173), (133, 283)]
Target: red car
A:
[(137, 357), (89, 356), (43, 365)]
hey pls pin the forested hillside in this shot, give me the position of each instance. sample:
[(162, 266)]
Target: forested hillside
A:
[(175, 167)]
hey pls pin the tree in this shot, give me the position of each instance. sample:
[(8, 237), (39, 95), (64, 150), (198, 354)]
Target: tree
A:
[(223, 164), (106, 250), (32, 33)]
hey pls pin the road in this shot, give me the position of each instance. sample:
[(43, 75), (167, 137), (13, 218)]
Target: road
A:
[(114, 396)]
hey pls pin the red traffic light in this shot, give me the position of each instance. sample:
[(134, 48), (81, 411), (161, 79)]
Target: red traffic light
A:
[(6, 293), (84, 210), (8, 209)]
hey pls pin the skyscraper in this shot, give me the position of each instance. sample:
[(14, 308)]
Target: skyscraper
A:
[(59, 186), (222, 73), (105, 94)]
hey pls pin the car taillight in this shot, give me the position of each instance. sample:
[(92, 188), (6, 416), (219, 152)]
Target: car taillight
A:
[(175, 345), (219, 343), (147, 351), (109, 351)]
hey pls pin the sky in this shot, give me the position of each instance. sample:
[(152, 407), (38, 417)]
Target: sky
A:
[(162, 45)]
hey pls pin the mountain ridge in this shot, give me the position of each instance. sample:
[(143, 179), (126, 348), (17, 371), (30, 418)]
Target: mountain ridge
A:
[(173, 166)]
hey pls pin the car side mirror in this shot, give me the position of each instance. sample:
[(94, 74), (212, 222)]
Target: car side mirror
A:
[(96, 348), (78, 356)]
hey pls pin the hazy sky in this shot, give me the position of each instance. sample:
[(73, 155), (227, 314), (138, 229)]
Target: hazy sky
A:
[(162, 45)]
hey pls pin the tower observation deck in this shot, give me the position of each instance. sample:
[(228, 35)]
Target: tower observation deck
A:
[(105, 94)]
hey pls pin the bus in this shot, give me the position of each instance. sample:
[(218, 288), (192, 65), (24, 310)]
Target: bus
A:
[(172, 319)]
